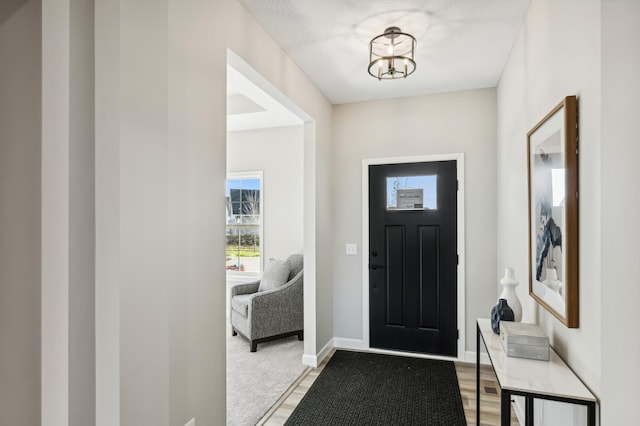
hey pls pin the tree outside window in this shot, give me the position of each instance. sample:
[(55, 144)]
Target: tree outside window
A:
[(243, 225)]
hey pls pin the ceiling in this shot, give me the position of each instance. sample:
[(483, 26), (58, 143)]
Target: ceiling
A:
[(461, 44), (250, 107)]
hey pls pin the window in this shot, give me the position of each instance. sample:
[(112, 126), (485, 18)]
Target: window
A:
[(412, 193), (244, 223)]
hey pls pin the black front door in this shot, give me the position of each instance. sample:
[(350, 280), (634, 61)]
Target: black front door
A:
[(413, 257)]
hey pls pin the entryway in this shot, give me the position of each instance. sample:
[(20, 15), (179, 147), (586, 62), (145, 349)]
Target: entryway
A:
[(266, 214), (414, 281)]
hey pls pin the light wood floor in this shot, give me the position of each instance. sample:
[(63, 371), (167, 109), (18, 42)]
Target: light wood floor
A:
[(489, 395)]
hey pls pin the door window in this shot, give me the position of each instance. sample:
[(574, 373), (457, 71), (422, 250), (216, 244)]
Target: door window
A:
[(412, 193)]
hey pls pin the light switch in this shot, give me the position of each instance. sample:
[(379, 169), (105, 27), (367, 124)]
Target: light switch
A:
[(352, 249)]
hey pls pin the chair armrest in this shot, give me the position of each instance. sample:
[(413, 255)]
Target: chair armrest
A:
[(246, 288)]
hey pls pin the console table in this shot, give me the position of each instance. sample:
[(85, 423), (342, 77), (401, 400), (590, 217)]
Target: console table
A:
[(532, 379)]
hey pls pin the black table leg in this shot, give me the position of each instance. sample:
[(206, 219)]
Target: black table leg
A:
[(528, 408), (505, 408), (477, 374)]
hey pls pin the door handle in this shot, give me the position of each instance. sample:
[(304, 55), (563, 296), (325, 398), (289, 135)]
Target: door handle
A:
[(374, 266)]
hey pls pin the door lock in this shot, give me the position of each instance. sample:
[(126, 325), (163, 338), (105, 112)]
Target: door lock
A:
[(374, 266)]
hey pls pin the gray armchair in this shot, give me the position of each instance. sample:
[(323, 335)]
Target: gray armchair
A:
[(272, 314)]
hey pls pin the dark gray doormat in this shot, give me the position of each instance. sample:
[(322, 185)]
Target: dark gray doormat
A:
[(371, 389)]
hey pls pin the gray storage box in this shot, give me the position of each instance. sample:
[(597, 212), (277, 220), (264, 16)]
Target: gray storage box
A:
[(524, 340)]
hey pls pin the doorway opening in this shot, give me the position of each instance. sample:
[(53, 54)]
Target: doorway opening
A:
[(269, 140)]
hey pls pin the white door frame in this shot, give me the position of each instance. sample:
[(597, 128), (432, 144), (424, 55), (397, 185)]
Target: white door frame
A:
[(459, 158)]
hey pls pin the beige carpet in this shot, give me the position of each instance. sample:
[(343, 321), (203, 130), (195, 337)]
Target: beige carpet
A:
[(256, 380)]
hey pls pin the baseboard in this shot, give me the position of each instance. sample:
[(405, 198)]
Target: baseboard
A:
[(325, 350), (310, 360), (354, 344), (314, 361)]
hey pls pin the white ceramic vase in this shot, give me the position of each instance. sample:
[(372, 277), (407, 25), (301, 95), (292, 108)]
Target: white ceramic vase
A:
[(509, 284)]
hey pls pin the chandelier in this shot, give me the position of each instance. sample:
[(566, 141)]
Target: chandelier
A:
[(391, 54)]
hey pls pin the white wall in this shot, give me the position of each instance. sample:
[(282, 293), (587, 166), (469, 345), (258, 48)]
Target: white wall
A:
[(160, 171), (436, 124), (620, 293), (278, 153), (20, 153), (552, 59)]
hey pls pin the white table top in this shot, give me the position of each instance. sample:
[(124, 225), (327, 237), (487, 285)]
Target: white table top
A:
[(553, 377)]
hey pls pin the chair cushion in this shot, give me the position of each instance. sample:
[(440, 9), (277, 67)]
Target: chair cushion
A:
[(275, 275), (240, 303)]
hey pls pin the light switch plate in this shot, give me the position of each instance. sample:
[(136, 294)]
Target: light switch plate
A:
[(352, 249)]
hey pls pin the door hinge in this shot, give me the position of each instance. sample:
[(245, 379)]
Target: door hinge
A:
[(457, 259), (458, 334), (457, 185)]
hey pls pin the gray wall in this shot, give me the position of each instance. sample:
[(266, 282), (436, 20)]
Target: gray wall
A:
[(107, 214), (20, 117), (426, 125), (619, 208), (81, 216)]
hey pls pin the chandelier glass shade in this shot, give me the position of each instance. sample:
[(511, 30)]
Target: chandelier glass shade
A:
[(391, 55)]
